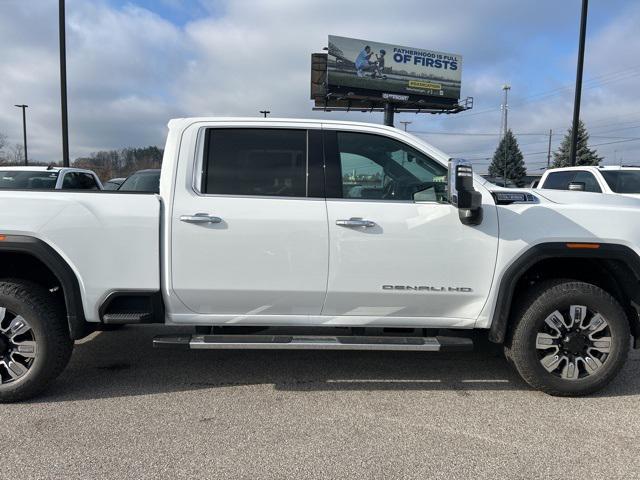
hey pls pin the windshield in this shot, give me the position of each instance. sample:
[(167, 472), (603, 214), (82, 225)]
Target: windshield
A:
[(142, 182), (28, 179), (623, 181)]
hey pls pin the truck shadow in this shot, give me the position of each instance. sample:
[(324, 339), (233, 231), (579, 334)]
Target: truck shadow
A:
[(123, 363)]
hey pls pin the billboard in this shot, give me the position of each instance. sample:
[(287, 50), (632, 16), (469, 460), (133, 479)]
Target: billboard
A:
[(372, 69)]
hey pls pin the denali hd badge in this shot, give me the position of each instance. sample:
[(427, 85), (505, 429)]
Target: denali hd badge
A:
[(424, 288)]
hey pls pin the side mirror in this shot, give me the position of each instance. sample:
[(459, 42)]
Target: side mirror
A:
[(577, 186), (462, 194)]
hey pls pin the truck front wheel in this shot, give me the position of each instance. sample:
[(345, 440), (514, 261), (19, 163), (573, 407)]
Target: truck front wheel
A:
[(34, 340), (571, 338)]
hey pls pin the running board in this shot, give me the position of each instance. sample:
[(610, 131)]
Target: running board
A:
[(312, 342)]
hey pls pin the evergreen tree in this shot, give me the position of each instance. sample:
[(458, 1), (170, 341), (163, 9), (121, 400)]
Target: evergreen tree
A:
[(508, 152), (584, 154)]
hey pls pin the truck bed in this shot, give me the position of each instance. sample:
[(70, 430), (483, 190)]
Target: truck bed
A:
[(122, 229)]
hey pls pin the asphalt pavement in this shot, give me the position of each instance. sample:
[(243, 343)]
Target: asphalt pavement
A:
[(123, 410)]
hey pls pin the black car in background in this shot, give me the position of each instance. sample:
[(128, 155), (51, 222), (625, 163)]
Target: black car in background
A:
[(113, 184), (142, 181)]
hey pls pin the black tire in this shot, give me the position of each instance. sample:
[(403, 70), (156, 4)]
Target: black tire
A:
[(50, 330), (530, 317)]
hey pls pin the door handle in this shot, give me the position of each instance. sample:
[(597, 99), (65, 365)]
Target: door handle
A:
[(355, 222), (200, 218)]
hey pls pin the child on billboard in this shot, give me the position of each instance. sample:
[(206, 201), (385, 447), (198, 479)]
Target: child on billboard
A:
[(379, 65)]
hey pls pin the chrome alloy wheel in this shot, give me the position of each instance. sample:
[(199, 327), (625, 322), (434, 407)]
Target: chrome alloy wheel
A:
[(18, 347), (574, 344)]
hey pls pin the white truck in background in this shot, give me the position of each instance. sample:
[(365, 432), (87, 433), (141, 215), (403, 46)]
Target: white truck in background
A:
[(607, 179), (48, 178), (345, 235)]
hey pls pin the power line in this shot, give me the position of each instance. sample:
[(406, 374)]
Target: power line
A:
[(519, 134), (605, 120), (589, 86), (544, 152), (593, 82), (618, 129)]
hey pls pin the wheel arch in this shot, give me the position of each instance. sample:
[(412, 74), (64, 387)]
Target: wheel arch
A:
[(43, 265), (613, 267)]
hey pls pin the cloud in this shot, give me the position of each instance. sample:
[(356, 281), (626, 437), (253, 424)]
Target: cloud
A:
[(121, 64), (132, 66)]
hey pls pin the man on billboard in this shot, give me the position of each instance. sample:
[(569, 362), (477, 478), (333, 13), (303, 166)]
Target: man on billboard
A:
[(363, 61)]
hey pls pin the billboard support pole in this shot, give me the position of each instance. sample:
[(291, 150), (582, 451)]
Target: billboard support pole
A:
[(388, 114)]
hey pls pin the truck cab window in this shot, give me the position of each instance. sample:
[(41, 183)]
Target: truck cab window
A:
[(79, 181), (590, 182), (260, 162), (28, 179), (558, 180), (380, 168)]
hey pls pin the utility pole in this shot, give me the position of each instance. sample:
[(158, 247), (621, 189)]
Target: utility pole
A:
[(576, 101), (505, 111), (504, 127), (505, 166), (549, 149), (615, 158), (405, 123), (265, 113), (24, 131), (63, 84)]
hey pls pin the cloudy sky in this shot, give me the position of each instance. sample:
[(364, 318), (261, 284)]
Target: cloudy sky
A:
[(133, 64)]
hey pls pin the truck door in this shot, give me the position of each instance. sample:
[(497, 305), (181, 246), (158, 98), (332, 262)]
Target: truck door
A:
[(249, 231), (398, 251)]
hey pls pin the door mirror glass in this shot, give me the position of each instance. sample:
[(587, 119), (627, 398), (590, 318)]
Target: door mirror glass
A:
[(461, 192), (577, 186)]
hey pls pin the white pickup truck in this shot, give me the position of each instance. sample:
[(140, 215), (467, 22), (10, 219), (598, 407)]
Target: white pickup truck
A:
[(344, 235), (611, 180)]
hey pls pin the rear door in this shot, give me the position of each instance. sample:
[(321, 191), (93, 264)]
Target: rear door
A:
[(399, 254), (249, 228)]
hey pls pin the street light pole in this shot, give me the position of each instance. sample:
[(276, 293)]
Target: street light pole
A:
[(576, 101), (505, 111), (549, 149), (505, 127), (24, 131), (63, 84)]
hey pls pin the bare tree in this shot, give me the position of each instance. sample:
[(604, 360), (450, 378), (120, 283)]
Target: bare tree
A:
[(17, 154), (3, 143), (121, 163)]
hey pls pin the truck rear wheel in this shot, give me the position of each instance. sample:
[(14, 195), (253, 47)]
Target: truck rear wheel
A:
[(571, 339), (34, 340)]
